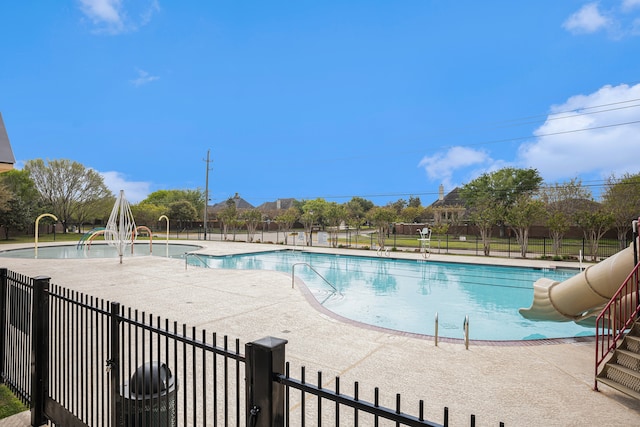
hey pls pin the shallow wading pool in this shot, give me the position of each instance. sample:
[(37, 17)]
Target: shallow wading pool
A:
[(101, 250)]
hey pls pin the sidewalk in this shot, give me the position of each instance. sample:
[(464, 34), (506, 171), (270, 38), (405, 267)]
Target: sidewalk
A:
[(17, 420)]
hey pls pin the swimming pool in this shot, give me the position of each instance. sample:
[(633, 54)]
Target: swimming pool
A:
[(100, 250), (405, 295)]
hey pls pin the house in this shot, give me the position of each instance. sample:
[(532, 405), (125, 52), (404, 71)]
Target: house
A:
[(450, 208), (241, 204), (6, 153)]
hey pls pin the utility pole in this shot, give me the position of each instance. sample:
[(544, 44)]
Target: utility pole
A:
[(206, 195)]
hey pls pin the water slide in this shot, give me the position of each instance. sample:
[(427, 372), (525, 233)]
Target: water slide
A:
[(581, 297)]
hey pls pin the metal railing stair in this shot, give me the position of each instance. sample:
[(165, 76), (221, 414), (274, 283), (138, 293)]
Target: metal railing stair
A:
[(622, 370)]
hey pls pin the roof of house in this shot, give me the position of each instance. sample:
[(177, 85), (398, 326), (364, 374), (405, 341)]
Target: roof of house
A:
[(451, 199), (6, 153), (241, 204), (280, 204)]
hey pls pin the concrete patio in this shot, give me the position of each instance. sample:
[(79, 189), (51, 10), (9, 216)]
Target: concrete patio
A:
[(521, 384)]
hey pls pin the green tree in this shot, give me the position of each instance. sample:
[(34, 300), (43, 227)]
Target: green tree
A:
[(148, 214), (357, 209), (251, 218), (622, 199), (524, 213), (439, 229), (286, 220), (490, 196), (594, 221), (398, 205), (229, 218), (414, 202), (66, 187), (335, 215), (561, 201), (22, 206), (167, 197), (313, 212), (382, 218), (414, 214), (182, 211)]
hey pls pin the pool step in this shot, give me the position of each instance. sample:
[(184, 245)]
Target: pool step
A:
[(622, 371)]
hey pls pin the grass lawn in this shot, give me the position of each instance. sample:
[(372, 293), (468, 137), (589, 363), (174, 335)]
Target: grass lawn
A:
[(9, 404)]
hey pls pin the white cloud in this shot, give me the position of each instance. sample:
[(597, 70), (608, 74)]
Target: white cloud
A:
[(143, 78), (442, 166), (561, 151), (134, 191), (588, 19), (111, 17)]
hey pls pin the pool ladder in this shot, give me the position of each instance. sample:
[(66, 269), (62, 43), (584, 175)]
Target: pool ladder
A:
[(465, 327)]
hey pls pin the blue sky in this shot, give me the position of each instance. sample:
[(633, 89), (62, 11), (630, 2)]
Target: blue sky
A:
[(333, 99)]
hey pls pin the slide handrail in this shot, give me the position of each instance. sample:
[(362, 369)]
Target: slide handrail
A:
[(616, 317)]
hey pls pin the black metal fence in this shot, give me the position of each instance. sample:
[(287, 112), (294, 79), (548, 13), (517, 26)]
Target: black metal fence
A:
[(81, 361)]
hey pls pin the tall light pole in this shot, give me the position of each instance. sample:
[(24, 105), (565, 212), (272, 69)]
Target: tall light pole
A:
[(206, 195)]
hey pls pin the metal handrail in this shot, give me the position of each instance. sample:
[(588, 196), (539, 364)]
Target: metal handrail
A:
[(186, 259), (293, 267), (616, 317), (465, 326)]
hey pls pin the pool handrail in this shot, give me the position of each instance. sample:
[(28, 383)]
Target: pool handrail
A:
[(186, 259), (293, 267)]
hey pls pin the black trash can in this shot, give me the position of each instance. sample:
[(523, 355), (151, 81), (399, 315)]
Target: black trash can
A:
[(150, 397)]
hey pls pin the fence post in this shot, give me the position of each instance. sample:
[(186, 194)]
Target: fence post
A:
[(265, 358), (39, 349), (3, 316), (113, 364)]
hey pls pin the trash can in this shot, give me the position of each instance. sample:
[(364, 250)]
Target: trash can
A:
[(150, 397)]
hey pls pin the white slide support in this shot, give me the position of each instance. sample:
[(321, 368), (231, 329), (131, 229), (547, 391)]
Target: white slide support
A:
[(582, 296)]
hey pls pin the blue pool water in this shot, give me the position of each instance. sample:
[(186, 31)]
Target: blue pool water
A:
[(405, 295), (100, 250)]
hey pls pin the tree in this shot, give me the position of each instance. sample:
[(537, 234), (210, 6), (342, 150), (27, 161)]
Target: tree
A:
[(167, 197), (622, 199), (381, 219), (229, 217), (251, 219), (148, 214), (561, 202), (357, 209), (286, 220), (491, 195), (439, 229), (313, 212), (414, 202), (594, 222), (22, 207), (398, 205), (525, 212), (414, 214), (66, 187), (183, 211), (98, 209), (335, 215)]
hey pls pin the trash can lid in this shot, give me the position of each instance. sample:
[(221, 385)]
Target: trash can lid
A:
[(151, 379)]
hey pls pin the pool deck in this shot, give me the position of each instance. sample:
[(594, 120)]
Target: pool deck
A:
[(545, 383)]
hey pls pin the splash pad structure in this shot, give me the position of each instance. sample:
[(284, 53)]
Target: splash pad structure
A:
[(120, 231)]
